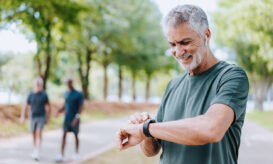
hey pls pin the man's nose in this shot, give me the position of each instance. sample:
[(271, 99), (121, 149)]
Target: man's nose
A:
[(179, 51)]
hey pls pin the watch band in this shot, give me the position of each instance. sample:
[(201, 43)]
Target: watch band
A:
[(146, 127)]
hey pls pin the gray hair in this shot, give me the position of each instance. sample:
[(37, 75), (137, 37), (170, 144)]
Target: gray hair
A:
[(193, 15)]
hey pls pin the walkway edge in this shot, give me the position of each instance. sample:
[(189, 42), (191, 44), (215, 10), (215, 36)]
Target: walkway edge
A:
[(94, 154)]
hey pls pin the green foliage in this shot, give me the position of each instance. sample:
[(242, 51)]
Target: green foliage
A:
[(247, 28), (123, 32)]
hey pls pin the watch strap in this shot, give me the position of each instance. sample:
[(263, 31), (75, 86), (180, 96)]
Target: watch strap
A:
[(146, 127)]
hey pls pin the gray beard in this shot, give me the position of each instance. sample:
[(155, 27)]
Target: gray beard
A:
[(196, 61)]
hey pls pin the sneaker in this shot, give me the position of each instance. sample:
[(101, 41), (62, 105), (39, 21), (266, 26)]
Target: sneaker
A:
[(35, 155), (75, 156), (59, 159)]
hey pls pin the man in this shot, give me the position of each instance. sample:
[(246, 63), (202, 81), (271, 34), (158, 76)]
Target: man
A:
[(73, 108), (202, 111), (39, 114)]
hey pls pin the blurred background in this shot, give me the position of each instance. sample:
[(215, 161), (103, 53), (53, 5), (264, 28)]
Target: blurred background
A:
[(119, 58)]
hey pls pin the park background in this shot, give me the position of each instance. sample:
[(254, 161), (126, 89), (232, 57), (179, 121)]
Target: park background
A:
[(118, 56)]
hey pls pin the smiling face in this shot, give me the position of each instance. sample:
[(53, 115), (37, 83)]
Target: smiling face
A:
[(187, 46)]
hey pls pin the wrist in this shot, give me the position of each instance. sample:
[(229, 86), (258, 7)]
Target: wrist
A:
[(146, 125), (77, 116)]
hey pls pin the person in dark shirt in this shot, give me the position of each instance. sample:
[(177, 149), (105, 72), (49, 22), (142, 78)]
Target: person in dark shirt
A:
[(73, 107), (202, 111), (38, 115)]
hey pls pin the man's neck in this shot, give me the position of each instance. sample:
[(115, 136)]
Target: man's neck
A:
[(37, 91), (208, 61)]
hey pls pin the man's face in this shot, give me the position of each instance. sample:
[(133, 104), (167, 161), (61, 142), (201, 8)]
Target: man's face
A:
[(38, 86), (186, 46), (70, 84)]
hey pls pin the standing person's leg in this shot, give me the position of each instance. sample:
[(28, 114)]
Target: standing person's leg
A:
[(75, 130), (34, 139), (39, 141), (63, 142), (60, 158), (40, 126), (76, 143)]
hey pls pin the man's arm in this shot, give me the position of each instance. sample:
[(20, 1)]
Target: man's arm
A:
[(76, 119), (203, 129), (24, 112), (60, 110), (48, 111), (150, 147)]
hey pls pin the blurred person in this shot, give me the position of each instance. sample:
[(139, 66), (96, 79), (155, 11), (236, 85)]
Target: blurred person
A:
[(202, 110), (73, 107), (38, 115)]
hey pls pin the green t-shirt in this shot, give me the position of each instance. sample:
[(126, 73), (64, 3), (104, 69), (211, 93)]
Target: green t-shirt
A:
[(188, 96)]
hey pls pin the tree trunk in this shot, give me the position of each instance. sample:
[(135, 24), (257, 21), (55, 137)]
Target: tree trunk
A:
[(105, 81), (120, 83), (134, 86), (48, 55), (259, 91), (147, 92), (84, 77), (39, 65)]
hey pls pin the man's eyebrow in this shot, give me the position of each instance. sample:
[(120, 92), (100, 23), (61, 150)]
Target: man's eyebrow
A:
[(181, 41), (184, 40)]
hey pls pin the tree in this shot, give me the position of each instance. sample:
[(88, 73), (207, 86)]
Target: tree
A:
[(246, 27), (41, 18)]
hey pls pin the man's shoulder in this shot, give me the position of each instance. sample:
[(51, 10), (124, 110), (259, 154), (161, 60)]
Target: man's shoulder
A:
[(234, 71)]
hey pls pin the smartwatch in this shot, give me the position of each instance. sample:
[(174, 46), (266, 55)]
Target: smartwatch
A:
[(146, 127)]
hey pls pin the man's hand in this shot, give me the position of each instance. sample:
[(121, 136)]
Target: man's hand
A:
[(139, 118), (130, 136), (75, 121)]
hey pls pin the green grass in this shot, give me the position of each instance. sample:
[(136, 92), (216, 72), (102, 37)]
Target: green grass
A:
[(264, 118), (131, 156)]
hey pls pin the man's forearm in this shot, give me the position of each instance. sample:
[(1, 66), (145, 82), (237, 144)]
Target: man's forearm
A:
[(190, 131), (150, 146), (48, 110)]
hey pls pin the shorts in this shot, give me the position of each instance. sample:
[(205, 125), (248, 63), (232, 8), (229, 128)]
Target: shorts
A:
[(70, 128), (37, 123)]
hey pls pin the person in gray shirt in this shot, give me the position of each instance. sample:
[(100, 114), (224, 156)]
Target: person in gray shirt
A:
[(38, 115)]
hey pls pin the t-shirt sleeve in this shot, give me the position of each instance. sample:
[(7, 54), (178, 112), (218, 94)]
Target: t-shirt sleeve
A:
[(29, 99), (232, 91)]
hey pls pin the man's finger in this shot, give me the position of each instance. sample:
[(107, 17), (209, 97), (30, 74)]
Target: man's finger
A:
[(133, 119), (145, 116), (138, 117)]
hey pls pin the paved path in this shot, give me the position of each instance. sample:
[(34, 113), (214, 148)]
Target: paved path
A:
[(256, 144), (95, 138)]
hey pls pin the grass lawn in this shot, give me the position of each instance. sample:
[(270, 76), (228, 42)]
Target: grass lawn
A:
[(131, 156), (264, 118)]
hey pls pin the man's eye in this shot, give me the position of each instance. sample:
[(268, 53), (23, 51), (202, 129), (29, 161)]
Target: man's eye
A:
[(172, 44), (185, 43)]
